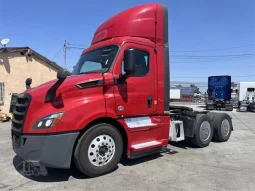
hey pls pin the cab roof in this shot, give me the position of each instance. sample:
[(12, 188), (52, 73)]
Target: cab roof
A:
[(148, 21)]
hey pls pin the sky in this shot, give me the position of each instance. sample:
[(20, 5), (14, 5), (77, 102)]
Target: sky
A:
[(205, 37)]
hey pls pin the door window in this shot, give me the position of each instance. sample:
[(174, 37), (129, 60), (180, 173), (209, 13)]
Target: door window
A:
[(142, 64)]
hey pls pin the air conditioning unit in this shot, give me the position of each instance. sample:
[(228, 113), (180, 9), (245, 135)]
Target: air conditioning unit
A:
[(1, 103)]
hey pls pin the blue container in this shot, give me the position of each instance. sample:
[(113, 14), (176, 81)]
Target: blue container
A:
[(219, 87)]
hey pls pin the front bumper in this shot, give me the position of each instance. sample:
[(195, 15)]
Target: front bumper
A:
[(48, 150)]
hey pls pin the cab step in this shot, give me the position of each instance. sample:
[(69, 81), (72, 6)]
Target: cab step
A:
[(176, 131)]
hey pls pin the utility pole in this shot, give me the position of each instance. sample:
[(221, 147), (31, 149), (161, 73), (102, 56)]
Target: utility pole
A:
[(65, 54)]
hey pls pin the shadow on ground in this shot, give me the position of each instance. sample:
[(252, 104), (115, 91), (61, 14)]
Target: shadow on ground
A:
[(42, 174), (132, 162), (61, 175), (182, 144), (46, 174)]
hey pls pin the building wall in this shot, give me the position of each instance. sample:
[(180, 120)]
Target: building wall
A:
[(16, 68)]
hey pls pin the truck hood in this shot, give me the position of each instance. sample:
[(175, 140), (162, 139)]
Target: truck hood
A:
[(67, 86), (68, 97)]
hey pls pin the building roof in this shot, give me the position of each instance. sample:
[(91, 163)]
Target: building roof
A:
[(36, 54)]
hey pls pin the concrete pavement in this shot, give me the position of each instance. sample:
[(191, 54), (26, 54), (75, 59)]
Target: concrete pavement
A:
[(221, 166)]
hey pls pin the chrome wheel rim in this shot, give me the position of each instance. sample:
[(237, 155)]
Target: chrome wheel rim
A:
[(101, 150), (225, 127), (205, 131)]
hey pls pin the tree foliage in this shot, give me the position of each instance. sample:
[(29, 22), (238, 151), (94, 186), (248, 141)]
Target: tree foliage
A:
[(196, 89), (233, 84)]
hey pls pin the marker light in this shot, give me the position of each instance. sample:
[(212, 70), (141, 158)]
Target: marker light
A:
[(48, 121)]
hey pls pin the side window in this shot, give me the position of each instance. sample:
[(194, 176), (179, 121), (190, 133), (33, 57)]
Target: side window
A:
[(142, 64)]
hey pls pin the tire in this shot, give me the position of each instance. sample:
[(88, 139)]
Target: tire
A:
[(202, 123), (222, 127), (102, 143), (211, 115), (188, 141)]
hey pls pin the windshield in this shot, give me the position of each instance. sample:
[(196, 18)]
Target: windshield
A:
[(97, 61)]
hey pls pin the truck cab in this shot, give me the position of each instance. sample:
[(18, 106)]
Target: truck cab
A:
[(248, 103), (115, 102), (219, 93)]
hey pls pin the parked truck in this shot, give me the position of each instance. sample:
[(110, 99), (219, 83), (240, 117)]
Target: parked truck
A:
[(246, 96), (175, 95), (115, 102), (219, 93)]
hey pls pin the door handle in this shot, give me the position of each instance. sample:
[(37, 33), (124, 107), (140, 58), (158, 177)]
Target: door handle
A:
[(149, 101)]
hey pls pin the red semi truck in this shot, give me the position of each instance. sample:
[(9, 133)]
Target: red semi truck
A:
[(115, 102)]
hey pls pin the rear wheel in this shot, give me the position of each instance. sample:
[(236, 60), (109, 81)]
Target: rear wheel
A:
[(222, 127), (203, 131), (211, 115), (99, 150)]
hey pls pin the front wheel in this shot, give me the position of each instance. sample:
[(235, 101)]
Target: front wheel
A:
[(99, 150)]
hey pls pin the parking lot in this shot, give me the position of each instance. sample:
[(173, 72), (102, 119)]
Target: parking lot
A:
[(221, 166)]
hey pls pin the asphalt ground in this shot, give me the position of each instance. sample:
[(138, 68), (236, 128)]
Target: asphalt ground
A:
[(220, 166)]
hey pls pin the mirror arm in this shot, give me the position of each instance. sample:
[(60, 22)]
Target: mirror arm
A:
[(51, 93), (122, 78)]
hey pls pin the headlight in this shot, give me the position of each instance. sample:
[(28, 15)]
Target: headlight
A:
[(48, 121)]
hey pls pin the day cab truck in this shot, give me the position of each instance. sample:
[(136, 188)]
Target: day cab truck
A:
[(246, 96), (219, 93), (114, 104)]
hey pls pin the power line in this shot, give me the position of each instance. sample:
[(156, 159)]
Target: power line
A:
[(75, 47), (210, 50), (57, 53), (193, 61), (203, 60), (65, 54), (194, 57), (182, 58), (207, 77), (78, 45), (213, 56)]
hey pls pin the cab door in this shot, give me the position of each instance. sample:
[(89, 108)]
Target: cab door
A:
[(137, 94)]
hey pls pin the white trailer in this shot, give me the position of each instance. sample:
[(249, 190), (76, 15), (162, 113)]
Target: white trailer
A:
[(246, 96), (175, 94)]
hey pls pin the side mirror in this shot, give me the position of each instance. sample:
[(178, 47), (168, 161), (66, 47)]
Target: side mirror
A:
[(62, 74), (129, 61), (28, 83)]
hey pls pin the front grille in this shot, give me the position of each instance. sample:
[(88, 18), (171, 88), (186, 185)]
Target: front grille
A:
[(19, 111)]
